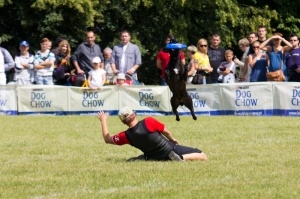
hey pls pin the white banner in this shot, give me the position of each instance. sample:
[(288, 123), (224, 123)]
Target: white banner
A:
[(146, 100), (287, 99), (8, 100), (40, 99), (263, 98), (206, 100), (247, 99), (85, 101)]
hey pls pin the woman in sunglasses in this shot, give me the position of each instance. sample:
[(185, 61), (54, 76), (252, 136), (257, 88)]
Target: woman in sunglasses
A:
[(258, 62), (202, 60), (276, 52)]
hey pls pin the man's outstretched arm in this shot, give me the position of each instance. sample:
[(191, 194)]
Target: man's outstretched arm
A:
[(103, 117)]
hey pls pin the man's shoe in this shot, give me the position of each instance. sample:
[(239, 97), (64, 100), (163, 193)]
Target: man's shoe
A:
[(174, 156)]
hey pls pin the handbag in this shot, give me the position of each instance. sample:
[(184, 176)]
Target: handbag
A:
[(198, 78), (277, 75), (78, 80)]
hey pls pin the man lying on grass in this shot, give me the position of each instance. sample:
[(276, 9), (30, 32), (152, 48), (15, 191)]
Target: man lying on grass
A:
[(150, 136)]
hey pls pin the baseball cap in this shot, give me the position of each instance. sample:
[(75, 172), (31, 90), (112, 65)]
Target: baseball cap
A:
[(24, 43), (121, 76), (96, 60), (125, 112)]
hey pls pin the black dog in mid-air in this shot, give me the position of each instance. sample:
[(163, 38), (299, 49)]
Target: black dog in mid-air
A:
[(176, 77)]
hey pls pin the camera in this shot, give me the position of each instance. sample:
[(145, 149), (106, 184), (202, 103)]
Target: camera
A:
[(222, 68)]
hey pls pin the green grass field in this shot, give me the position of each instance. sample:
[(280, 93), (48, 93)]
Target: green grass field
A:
[(65, 157)]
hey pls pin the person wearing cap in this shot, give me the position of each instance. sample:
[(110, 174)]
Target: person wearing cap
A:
[(121, 80), (163, 58), (150, 136), (126, 57), (96, 77), (24, 65), (6, 65), (44, 64)]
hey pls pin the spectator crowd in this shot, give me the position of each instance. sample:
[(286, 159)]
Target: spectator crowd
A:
[(87, 66), (207, 63)]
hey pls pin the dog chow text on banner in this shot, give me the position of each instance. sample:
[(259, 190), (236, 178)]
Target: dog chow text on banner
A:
[(85, 101), (247, 99), (40, 99), (286, 99), (150, 100)]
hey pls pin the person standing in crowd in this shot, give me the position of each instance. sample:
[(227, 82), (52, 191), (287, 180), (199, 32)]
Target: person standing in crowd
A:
[(96, 77), (163, 58), (293, 60), (202, 61), (150, 136), (191, 50), (244, 46), (107, 52), (6, 65), (44, 64), (227, 69), (252, 37), (276, 52), (262, 35), (84, 54), (24, 65), (64, 68), (126, 57), (258, 61), (216, 56)]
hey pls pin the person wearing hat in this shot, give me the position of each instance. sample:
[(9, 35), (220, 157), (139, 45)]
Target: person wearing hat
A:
[(24, 65), (96, 77), (150, 136), (121, 80)]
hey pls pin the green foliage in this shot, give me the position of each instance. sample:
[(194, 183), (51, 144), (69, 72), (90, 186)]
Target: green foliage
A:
[(149, 21), (66, 157)]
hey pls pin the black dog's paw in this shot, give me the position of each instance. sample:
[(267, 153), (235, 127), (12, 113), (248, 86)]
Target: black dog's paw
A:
[(195, 118)]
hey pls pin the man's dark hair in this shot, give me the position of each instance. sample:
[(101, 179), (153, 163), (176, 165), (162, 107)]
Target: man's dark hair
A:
[(125, 31), (253, 33), (215, 35), (172, 38), (262, 26), (294, 35)]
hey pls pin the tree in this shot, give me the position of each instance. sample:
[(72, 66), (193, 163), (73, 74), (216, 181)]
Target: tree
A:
[(149, 21)]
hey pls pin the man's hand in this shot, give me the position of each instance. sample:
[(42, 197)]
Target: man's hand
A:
[(102, 116), (79, 71), (174, 141)]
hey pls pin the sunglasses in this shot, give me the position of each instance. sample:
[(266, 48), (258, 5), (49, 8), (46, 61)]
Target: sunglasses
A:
[(254, 47), (203, 45)]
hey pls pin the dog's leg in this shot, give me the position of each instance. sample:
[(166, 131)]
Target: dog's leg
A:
[(175, 103), (188, 102)]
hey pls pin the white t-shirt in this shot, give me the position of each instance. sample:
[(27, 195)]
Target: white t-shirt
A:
[(96, 77), (123, 60)]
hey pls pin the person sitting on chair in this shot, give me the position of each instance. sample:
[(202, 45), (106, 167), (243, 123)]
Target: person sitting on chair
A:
[(121, 80)]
